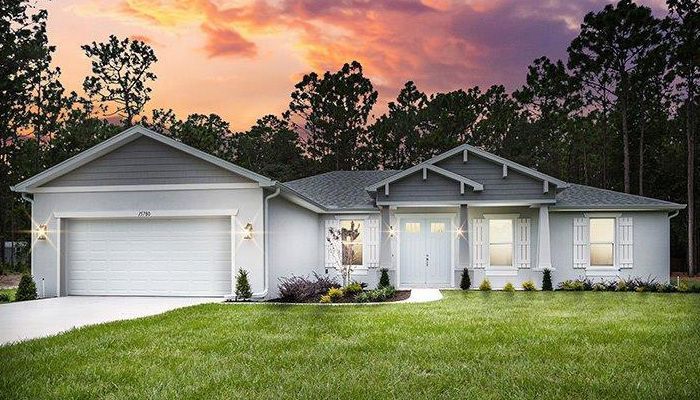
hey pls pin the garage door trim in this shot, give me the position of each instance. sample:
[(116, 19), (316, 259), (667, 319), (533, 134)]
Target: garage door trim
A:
[(142, 214)]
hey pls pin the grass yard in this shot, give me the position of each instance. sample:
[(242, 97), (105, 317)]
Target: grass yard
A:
[(470, 345)]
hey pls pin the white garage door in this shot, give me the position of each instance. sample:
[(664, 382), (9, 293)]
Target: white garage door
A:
[(148, 257)]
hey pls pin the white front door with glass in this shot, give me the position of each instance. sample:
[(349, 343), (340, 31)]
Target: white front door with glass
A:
[(426, 249)]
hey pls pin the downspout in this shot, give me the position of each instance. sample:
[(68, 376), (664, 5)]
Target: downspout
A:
[(266, 244), (674, 214), (29, 200)]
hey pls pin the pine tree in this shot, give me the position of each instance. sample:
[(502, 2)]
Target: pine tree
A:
[(243, 291), (26, 289), (465, 284), (547, 280)]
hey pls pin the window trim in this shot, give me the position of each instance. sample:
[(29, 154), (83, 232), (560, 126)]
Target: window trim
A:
[(360, 268), (505, 217), (591, 242)]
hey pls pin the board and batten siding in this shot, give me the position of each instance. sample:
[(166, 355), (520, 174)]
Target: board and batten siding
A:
[(515, 186), (145, 161)]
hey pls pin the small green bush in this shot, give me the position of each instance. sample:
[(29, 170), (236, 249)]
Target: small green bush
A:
[(384, 279), (621, 286), (4, 298), (335, 293), (572, 285), (352, 289), (529, 286), (485, 285), (376, 295), (243, 291), (599, 287), (465, 283), (509, 287), (547, 280), (26, 289), (325, 299), (683, 287)]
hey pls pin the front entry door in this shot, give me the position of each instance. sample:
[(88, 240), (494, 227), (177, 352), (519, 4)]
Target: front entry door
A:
[(425, 252)]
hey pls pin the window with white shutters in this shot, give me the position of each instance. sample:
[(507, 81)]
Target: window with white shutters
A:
[(479, 235), (522, 242), (581, 242), (625, 242), (333, 246)]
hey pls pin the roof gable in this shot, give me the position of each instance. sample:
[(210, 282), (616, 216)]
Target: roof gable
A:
[(123, 139)]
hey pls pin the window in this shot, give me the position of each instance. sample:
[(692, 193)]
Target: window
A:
[(413, 227), (501, 242), (602, 234), (351, 236), (437, 227)]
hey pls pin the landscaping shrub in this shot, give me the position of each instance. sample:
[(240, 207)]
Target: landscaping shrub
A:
[(26, 289), (304, 289), (529, 286), (335, 293), (325, 299), (353, 289), (465, 283), (376, 295), (547, 280), (243, 291), (485, 285), (509, 287), (621, 286), (573, 285), (599, 287), (4, 298), (384, 279)]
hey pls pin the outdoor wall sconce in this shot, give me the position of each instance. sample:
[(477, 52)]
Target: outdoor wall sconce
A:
[(460, 232), (392, 231), (42, 232), (248, 231)]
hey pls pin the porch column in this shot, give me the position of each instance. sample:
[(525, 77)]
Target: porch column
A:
[(385, 243), (544, 259), (463, 238)]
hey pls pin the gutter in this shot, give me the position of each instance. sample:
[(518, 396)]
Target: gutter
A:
[(673, 215), (266, 242)]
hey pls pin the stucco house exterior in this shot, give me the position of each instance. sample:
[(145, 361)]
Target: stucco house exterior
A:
[(142, 214)]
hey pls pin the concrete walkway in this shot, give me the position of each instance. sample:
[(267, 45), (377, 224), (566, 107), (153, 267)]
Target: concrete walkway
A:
[(38, 318), (423, 296)]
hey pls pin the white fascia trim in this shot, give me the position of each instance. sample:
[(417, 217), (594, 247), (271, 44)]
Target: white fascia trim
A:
[(618, 208), (143, 188), (501, 216), (474, 203), (470, 149), (145, 214), (120, 139)]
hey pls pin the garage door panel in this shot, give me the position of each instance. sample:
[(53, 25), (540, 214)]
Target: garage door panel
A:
[(169, 257)]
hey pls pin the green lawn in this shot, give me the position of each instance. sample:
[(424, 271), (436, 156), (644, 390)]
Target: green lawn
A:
[(9, 292), (470, 345)]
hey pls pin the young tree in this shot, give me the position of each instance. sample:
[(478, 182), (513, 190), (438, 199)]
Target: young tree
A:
[(684, 22), (331, 113), (120, 76), (610, 46)]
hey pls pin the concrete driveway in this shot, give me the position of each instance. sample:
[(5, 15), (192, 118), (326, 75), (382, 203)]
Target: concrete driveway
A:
[(38, 318)]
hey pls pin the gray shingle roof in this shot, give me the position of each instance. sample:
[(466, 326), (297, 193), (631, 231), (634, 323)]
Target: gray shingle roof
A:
[(340, 189), (345, 190), (581, 196)]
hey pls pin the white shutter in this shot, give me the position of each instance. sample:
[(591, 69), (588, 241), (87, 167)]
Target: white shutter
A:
[(522, 243), (479, 243), (581, 243), (333, 247), (625, 243), (371, 244)]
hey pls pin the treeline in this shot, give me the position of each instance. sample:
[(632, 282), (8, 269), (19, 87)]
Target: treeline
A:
[(620, 112)]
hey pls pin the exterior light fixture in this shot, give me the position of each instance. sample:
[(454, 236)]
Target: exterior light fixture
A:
[(248, 231), (42, 232), (460, 232), (392, 231)]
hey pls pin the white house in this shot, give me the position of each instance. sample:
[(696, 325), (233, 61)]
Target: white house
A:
[(142, 214)]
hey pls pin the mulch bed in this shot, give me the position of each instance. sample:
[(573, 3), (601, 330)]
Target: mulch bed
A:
[(9, 281), (398, 296)]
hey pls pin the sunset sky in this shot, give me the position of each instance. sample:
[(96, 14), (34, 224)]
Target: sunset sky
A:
[(241, 59)]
